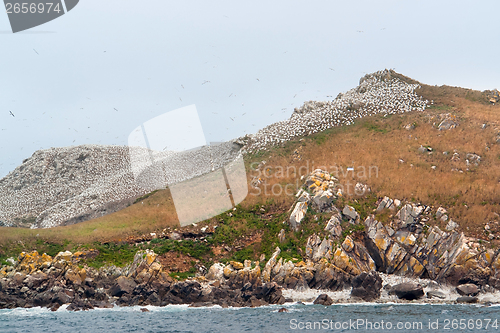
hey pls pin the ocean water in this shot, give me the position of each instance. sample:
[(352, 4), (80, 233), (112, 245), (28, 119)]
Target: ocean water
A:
[(364, 317)]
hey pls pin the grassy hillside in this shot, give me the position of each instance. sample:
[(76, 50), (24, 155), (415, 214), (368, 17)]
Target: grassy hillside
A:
[(384, 154)]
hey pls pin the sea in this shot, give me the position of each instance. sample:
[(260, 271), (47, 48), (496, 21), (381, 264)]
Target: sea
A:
[(298, 317)]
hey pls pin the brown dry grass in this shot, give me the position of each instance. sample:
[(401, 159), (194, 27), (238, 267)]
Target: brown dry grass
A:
[(471, 197), (151, 214)]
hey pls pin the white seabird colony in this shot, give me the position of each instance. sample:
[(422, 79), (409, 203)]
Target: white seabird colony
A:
[(378, 93), (67, 185), (60, 186)]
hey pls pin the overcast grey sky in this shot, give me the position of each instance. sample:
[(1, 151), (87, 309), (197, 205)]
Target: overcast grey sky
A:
[(260, 58)]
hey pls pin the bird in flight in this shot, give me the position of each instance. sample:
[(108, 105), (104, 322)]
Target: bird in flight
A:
[(35, 51), (205, 82), (115, 109), (11, 113), (231, 118)]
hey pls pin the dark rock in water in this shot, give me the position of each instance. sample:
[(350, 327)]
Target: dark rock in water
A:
[(467, 299), (123, 285), (283, 310), (435, 294), (468, 289), (367, 286), (408, 290), (323, 299)]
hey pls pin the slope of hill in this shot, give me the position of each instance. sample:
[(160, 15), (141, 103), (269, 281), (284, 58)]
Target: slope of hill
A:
[(446, 155), (63, 186)]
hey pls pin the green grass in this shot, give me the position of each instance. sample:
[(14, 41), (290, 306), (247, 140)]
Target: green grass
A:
[(183, 275), (112, 254), (371, 126), (145, 196), (439, 107)]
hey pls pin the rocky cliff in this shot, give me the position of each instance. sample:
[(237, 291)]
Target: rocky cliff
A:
[(349, 254)]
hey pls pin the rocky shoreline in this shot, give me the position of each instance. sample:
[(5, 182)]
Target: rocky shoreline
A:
[(41, 281), (404, 259)]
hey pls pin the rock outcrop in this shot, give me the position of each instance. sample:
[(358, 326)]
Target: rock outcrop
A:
[(39, 280), (367, 286)]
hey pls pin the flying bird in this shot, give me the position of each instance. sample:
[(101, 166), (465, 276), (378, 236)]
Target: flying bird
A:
[(11, 113), (35, 51), (115, 109), (231, 118), (205, 82)]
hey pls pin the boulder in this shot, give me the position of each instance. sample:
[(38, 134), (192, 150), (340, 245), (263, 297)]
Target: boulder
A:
[(468, 289), (216, 272), (350, 213), (407, 290), (367, 286), (333, 225), (34, 280), (447, 124), (323, 250), (266, 273), (329, 276), (123, 285), (386, 202), (323, 299), (61, 298), (323, 200), (298, 214), (440, 212), (452, 225), (467, 299), (436, 294), (313, 242), (236, 265), (348, 244), (281, 236)]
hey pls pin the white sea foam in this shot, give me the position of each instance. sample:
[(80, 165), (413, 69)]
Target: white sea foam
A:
[(343, 297)]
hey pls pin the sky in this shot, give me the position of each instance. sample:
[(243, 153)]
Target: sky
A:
[(95, 74)]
